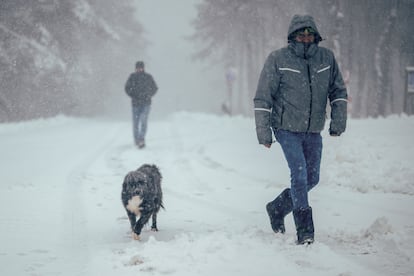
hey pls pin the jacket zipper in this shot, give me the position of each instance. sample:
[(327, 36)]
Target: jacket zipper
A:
[(311, 93)]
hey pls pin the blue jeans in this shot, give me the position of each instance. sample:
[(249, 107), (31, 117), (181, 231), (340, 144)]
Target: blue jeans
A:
[(303, 153), (140, 121)]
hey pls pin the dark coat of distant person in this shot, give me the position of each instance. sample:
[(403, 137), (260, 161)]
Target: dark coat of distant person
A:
[(141, 86)]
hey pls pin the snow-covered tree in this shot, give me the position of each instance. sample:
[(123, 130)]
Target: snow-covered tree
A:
[(371, 40), (63, 56)]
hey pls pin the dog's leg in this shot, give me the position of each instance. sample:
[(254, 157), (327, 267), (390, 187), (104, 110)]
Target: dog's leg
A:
[(141, 222), (135, 236), (132, 219), (154, 222)]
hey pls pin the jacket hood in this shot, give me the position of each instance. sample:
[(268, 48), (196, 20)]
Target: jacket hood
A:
[(302, 21)]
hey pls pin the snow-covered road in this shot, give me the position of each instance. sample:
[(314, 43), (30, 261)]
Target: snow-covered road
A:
[(61, 212)]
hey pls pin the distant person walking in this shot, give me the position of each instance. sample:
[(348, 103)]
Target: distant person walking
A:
[(293, 90), (141, 87)]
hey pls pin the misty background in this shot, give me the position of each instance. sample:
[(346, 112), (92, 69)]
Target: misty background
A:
[(73, 57)]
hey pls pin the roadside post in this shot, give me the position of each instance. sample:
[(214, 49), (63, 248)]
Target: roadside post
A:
[(409, 91)]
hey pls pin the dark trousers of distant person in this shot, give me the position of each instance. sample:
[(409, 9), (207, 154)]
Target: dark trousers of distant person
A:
[(140, 122)]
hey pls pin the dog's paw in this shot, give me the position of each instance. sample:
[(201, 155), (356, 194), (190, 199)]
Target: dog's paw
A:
[(136, 236), (154, 229)]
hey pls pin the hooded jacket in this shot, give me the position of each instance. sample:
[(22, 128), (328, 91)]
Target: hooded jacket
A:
[(295, 85)]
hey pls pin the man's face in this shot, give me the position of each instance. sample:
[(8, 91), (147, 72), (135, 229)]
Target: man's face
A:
[(306, 35)]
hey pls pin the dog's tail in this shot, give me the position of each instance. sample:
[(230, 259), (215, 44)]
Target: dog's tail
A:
[(159, 202)]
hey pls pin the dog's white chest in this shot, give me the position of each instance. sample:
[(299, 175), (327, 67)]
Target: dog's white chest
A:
[(134, 205)]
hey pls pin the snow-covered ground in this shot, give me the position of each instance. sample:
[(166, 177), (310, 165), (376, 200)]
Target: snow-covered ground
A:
[(61, 212)]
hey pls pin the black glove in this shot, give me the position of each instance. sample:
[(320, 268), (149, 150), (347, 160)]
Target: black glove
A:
[(334, 133)]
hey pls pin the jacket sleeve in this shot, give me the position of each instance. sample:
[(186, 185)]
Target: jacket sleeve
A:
[(154, 87), (338, 98), (268, 81), (129, 86)]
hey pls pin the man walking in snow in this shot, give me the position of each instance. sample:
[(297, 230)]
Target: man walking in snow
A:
[(141, 87), (293, 90)]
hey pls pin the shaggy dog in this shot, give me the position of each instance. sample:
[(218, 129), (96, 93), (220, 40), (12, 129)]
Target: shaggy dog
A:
[(142, 197)]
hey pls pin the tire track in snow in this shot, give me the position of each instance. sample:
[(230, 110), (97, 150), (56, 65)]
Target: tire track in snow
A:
[(74, 218)]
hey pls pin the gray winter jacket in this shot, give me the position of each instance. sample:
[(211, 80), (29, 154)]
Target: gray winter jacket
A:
[(294, 87)]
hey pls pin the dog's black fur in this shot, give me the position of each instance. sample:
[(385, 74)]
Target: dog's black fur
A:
[(142, 197)]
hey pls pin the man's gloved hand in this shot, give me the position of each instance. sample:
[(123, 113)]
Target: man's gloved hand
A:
[(334, 133)]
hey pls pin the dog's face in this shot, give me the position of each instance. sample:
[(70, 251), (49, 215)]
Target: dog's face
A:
[(136, 179)]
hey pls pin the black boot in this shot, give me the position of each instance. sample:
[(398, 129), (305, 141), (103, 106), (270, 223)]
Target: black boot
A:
[(304, 225), (278, 209)]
